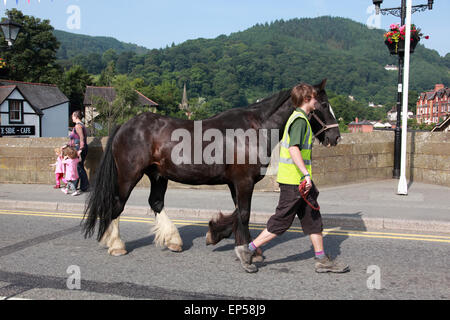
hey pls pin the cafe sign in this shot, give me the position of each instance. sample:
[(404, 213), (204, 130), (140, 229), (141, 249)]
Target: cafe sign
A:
[(17, 130)]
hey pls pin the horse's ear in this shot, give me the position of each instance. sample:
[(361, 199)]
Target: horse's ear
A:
[(321, 86)]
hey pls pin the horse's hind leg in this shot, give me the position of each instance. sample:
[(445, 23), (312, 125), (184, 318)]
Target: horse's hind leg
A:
[(221, 226), (111, 238), (166, 234)]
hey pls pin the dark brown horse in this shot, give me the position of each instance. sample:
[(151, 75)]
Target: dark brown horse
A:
[(230, 148)]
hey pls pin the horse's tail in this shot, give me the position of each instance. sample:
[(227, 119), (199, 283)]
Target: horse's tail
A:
[(101, 201)]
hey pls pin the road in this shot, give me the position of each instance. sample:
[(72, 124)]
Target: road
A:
[(42, 253)]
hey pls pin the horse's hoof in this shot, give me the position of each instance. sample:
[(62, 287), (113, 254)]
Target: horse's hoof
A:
[(174, 248), (258, 258), (118, 252), (209, 239)]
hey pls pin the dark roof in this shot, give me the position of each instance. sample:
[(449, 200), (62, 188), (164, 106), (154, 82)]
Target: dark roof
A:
[(40, 96), (431, 95), (5, 92), (109, 94)]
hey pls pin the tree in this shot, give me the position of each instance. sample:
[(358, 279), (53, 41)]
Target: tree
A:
[(168, 96), (199, 109), (119, 111), (106, 114), (109, 55), (32, 58), (73, 84), (126, 99), (107, 75), (92, 62)]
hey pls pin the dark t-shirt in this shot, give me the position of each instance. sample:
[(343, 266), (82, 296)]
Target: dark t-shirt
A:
[(297, 131)]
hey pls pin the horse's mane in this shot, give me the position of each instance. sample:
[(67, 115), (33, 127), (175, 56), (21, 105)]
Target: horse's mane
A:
[(263, 108)]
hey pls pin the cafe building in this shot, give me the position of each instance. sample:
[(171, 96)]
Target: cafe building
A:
[(32, 110)]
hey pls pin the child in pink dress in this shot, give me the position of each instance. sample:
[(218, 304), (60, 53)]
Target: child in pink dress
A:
[(59, 168), (71, 162)]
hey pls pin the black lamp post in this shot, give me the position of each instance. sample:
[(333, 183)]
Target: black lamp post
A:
[(400, 12), (10, 30)]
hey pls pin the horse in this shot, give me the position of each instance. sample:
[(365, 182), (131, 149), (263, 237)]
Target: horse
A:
[(161, 148)]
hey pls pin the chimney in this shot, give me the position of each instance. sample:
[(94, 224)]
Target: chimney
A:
[(438, 87), (356, 120)]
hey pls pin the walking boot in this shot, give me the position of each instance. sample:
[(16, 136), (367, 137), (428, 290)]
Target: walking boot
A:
[(245, 256), (327, 265)]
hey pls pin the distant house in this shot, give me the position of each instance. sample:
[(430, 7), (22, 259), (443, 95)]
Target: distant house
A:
[(32, 110), (109, 95), (392, 114), (360, 126), (391, 67), (432, 106), (380, 125), (373, 105)]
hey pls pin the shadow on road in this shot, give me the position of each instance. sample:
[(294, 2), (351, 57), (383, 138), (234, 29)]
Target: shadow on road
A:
[(139, 243), (335, 233)]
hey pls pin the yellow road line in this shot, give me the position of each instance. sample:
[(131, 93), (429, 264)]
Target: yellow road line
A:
[(205, 223), (352, 233)]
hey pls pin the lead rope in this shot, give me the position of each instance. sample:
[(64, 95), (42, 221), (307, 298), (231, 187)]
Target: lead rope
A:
[(303, 193)]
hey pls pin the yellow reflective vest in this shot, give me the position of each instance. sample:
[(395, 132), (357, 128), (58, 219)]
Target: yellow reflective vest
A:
[(288, 172)]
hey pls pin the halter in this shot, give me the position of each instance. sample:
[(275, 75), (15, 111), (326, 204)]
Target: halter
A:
[(325, 126)]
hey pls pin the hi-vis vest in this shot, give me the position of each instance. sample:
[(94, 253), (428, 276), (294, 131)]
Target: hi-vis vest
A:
[(288, 172)]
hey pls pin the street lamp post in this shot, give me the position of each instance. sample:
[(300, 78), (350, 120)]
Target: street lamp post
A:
[(399, 12), (10, 30)]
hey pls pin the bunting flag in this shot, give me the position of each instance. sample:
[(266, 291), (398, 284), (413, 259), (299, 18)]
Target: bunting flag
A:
[(17, 1)]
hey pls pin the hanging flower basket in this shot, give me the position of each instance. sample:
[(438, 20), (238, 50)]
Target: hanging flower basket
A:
[(395, 38), (3, 69), (399, 47)]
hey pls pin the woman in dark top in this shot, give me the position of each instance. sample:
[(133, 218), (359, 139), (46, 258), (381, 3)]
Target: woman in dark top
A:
[(78, 140)]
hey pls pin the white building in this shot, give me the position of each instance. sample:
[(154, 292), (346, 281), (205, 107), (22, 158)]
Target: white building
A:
[(391, 67), (32, 110), (392, 114)]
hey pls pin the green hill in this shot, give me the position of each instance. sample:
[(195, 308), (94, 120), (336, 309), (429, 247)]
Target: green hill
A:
[(269, 57), (75, 44), (248, 65)]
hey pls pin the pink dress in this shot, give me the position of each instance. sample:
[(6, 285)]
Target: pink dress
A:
[(71, 169), (59, 165)]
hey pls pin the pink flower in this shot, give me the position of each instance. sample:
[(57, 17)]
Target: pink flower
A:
[(403, 29), (394, 26)]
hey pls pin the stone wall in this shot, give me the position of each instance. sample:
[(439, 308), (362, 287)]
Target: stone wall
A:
[(359, 157)]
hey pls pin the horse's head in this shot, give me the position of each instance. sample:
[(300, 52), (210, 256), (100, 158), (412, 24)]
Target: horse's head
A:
[(323, 121)]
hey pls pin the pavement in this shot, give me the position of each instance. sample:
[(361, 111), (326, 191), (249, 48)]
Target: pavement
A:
[(364, 206)]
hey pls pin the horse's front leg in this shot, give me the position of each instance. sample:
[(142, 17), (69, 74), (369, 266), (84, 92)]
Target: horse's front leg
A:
[(244, 193), (166, 233)]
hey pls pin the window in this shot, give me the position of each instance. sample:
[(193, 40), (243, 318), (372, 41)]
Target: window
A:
[(15, 111)]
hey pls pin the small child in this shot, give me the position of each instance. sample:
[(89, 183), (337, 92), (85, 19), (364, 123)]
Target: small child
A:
[(71, 162), (59, 168)]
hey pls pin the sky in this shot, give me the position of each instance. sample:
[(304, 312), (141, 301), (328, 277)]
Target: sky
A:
[(156, 24)]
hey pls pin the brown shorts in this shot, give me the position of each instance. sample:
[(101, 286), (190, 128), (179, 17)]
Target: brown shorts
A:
[(290, 204)]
